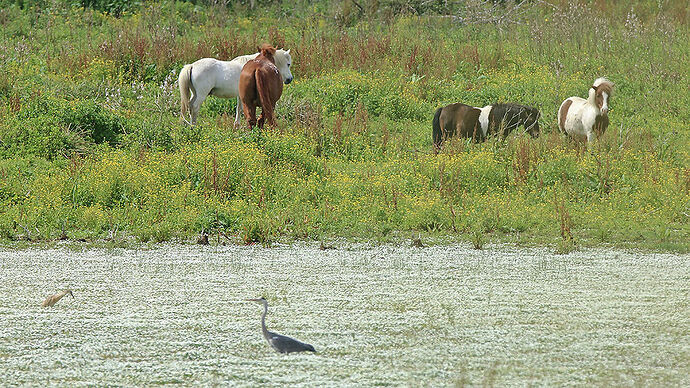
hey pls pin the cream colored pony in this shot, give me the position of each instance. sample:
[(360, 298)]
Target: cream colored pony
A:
[(210, 76)]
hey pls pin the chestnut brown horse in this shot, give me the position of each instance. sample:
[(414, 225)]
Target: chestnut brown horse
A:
[(260, 85), (478, 123)]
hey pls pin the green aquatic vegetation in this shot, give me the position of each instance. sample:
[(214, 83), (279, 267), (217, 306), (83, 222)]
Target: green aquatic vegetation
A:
[(384, 314)]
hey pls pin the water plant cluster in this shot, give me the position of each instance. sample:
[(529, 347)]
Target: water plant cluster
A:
[(91, 145)]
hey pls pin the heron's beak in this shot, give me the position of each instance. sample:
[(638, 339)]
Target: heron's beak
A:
[(252, 300)]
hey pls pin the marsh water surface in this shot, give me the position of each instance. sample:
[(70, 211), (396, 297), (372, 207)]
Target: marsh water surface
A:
[(381, 315)]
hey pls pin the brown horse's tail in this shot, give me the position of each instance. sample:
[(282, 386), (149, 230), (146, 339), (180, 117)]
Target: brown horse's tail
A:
[(264, 91), (437, 135)]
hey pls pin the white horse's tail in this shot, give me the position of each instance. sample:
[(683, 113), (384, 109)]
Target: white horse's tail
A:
[(186, 88)]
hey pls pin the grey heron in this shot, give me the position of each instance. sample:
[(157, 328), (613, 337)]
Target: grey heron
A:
[(281, 343), (51, 300)]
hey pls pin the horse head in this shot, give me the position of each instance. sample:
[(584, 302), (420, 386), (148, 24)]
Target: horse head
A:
[(531, 121), (600, 93), (283, 62), (267, 50)]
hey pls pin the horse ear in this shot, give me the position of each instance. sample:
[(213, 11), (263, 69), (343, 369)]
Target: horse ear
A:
[(288, 52)]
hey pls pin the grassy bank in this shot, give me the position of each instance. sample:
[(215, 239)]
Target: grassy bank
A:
[(91, 146)]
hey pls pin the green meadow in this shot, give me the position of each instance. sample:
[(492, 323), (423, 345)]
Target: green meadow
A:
[(92, 147)]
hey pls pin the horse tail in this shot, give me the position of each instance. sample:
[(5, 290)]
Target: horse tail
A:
[(264, 91), (186, 88), (437, 135), (563, 114)]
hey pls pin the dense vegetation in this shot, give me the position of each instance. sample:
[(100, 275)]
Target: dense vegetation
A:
[(91, 146)]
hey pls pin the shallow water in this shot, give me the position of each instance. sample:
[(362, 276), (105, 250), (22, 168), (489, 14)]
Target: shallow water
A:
[(377, 316)]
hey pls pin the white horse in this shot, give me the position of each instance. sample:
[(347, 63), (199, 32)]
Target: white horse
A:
[(587, 119), (210, 76)]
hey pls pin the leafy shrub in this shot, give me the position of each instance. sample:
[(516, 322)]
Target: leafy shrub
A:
[(40, 136), (99, 124), (51, 127), (342, 92), (113, 7)]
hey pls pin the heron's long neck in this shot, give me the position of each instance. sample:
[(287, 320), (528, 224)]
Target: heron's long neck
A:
[(61, 294), (263, 320)]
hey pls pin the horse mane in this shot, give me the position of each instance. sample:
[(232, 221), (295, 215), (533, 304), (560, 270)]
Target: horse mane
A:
[(500, 109), (604, 85), (267, 50), (509, 105)]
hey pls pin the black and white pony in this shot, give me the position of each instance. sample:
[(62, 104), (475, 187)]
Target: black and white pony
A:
[(479, 123)]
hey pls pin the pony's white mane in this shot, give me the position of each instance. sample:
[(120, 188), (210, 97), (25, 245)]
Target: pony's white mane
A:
[(602, 80)]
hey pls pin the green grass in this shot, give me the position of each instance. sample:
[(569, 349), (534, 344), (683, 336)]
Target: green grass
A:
[(90, 140)]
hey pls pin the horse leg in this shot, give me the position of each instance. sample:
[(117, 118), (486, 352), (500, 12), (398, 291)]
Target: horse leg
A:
[(237, 113), (262, 118), (268, 95), (195, 106), (193, 111), (267, 115), (249, 113), (188, 111), (271, 116)]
